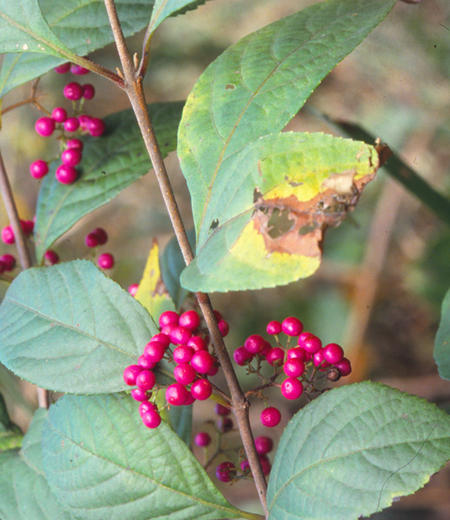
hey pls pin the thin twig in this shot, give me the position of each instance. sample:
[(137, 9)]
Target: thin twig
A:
[(134, 90)]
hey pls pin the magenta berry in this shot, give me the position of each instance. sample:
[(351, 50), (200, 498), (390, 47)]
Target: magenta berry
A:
[(183, 354), (296, 353), (263, 445), (8, 261), (168, 317), (319, 359), (59, 114), (146, 406), (62, 69), (333, 353), (161, 338), (273, 328), (96, 126), (292, 326), (270, 416), (130, 374), (219, 409), (218, 316), (180, 335), (71, 124), (275, 356), (75, 143), (66, 174), (202, 361), (190, 320), (73, 91), (139, 395), (226, 471), (88, 91), (201, 389), (78, 70), (291, 388), (185, 374), (145, 363), (242, 356), (45, 126), (133, 289), (91, 239), (84, 121), (224, 328), (309, 342), (38, 169), (202, 439), (51, 257), (71, 157), (102, 236), (105, 261), (151, 419), (265, 465), (8, 235), (213, 370), (146, 380), (197, 343), (294, 367), (27, 226), (344, 366), (177, 394), (254, 343), (154, 351)]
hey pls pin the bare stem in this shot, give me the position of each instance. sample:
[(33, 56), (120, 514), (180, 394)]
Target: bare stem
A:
[(134, 90)]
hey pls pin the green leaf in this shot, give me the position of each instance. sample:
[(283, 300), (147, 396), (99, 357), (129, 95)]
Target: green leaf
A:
[(254, 89), (110, 164), (351, 452), (71, 328), (25, 493), (101, 461), (23, 28), (10, 434), (165, 8), (267, 214), (442, 342), (181, 422), (82, 25)]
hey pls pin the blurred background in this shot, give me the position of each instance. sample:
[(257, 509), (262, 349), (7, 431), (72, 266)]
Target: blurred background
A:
[(386, 269)]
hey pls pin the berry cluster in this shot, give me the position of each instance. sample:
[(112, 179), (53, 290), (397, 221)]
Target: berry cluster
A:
[(8, 261), (99, 237), (68, 126), (183, 342)]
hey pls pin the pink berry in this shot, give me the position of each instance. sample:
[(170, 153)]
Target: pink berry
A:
[(96, 126), (8, 261), (226, 471), (62, 69), (333, 353), (213, 370), (319, 359), (146, 406), (130, 374), (224, 328), (27, 226), (292, 326), (218, 316), (202, 439), (38, 169), (177, 394), (273, 328), (263, 445), (190, 320), (88, 91), (151, 419), (105, 261), (201, 389), (197, 343), (296, 353), (168, 317), (146, 380), (8, 235), (73, 91), (291, 388), (51, 257), (185, 374), (344, 366), (275, 356), (265, 465), (219, 409), (91, 240), (242, 356), (71, 157), (183, 354), (59, 114), (45, 126), (266, 349), (102, 236), (145, 363), (294, 367), (309, 342), (133, 289), (270, 417), (78, 70), (71, 124), (154, 351), (139, 395), (74, 143), (190, 399), (202, 361), (161, 338), (66, 174), (84, 121), (180, 335), (254, 343)]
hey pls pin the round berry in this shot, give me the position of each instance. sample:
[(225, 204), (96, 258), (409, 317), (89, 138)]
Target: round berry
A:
[(105, 261), (224, 328), (101, 234), (133, 289), (309, 342), (73, 91), (8, 235), (130, 374), (59, 114), (91, 239), (344, 366), (273, 328), (213, 370), (66, 174), (27, 226), (190, 399), (78, 70), (74, 143), (333, 353), (242, 356), (146, 406), (333, 374), (197, 343), (51, 257), (270, 417), (190, 320), (292, 326), (219, 409), (218, 316), (8, 261), (294, 367), (71, 157), (275, 356), (45, 126), (62, 69), (84, 121), (225, 424), (139, 395), (88, 91), (183, 354), (38, 169), (151, 419), (291, 388), (185, 374), (180, 335), (96, 126), (161, 338), (154, 351), (202, 439), (71, 124), (254, 343), (266, 349), (202, 361), (145, 363), (177, 394), (319, 359), (265, 465), (146, 380), (226, 471), (201, 389), (296, 353), (168, 317), (263, 444)]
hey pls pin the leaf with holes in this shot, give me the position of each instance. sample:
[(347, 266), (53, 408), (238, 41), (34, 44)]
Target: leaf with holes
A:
[(352, 451)]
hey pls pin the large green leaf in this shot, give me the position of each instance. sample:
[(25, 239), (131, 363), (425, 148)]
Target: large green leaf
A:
[(165, 8), (71, 328), (442, 342), (267, 216), (254, 89), (110, 164), (102, 462), (25, 493), (351, 452)]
